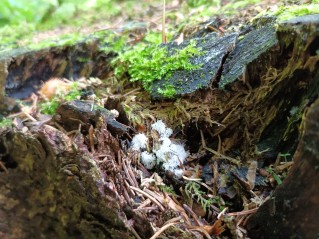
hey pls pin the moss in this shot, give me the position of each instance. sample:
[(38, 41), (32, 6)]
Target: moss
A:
[(193, 191), (20, 21), (231, 7), (11, 39), (68, 39), (148, 63), (285, 13), (168, 92), (112, 42), (4, 122)]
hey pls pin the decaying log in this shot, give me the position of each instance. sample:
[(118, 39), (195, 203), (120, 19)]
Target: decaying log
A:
[(252, 97), (74, 113), (52, 188), (23, 70), (292, 211)]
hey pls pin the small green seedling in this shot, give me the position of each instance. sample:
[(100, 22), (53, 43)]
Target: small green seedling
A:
[(5, 122), (49, 107), (168, 189), (276, 177), (284, 155), (192, 190)]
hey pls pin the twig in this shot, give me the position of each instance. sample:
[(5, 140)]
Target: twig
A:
[(155, 195), (128, 187), (128, 175), (132, 174), (29, 117), (199, 229), (207, 187), (222, 213), (4, 167), (162, 229), (148, 196), (192, 179), (232, 160), (242, 212), (135, 233), (175, 219), (164, 38), (144, 204), (130, 92), (145, 209), (125, 193), (193, 214)]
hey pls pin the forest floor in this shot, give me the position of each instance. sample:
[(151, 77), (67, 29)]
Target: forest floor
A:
[(212, 194)]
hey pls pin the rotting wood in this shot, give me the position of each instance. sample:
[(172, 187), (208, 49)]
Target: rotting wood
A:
[(252, 111), (55, 189), (293, 209)]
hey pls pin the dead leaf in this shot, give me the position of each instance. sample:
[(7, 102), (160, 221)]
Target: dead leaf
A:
[(180, 39), (216, 229), (251, 174)]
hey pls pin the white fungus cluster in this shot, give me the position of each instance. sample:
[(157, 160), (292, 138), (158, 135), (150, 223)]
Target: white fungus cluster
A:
[(161, 129), (148, 159), (170, 155), (139, 142)]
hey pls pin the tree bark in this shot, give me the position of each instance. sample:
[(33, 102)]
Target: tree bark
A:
[(292, 211), (52, 188)]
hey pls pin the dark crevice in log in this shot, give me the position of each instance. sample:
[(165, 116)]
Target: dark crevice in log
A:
[(27, 70), (292, 211)]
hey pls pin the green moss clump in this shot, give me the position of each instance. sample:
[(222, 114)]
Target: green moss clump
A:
[(289, 12), (148, 63), (199, 3), (168, 92), (231, 7)]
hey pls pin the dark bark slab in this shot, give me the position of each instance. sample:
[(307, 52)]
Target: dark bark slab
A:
[(73, 113), (250, 48), (215, 49), (224, 60)]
